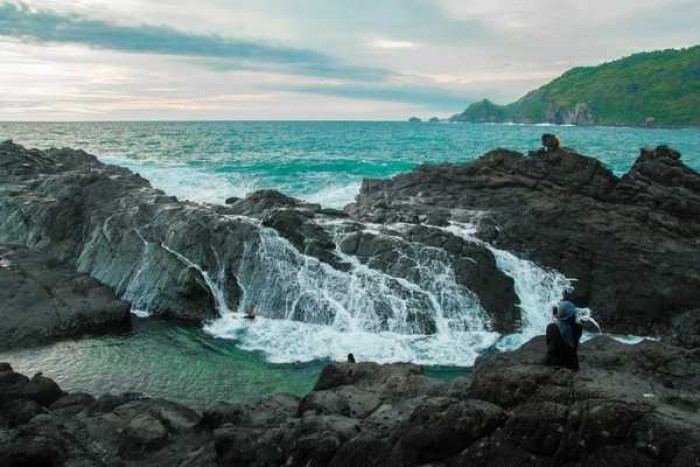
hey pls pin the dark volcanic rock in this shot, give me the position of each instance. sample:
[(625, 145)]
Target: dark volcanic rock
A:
[(628, 405), (261, 202), (187, 260), (473, 264), (442, 427), (110, 223), (42, 298), (686, 328), (299, 228), (632, 243)]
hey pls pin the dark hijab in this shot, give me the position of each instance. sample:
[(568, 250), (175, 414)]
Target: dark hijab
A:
[(565, 319)]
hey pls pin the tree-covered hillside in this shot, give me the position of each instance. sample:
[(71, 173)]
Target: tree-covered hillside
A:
[(660, 88)]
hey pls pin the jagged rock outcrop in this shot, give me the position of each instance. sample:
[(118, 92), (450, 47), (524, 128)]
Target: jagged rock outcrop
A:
[(187, 261), (111, 224), (629, 405), (42, 298), (632, 243), (398, 252)]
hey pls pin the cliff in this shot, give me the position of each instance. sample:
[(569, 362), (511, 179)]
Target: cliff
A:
[(652, 88)]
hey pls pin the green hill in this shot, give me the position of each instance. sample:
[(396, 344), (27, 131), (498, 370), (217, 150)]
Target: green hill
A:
[(661, 88)]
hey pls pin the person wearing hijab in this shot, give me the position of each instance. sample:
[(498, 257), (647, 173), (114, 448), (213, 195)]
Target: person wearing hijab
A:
[(563, 336)]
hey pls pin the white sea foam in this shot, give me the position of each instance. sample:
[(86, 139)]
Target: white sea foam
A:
[(308, 310), (189, 183), (205, 186), (334, 196), (288, 341), (140, 313), (537, 288)]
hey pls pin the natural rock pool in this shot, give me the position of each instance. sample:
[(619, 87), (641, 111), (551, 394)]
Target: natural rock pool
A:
[(162, 359)]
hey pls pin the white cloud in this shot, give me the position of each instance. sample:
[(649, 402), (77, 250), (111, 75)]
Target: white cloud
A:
[(392, 44)]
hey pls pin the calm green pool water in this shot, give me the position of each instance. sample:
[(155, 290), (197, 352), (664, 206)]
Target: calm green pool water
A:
[(180, 363)]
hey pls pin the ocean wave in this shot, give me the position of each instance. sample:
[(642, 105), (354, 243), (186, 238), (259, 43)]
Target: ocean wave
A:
[(334, 196), (199, 183)]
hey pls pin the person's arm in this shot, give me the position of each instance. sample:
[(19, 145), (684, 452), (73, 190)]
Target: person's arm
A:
[(578, 332)]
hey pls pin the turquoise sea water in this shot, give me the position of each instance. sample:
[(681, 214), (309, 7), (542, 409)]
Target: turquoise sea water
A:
[(321, 162)]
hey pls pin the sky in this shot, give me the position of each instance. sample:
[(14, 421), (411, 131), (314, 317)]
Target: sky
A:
[(308, 59)]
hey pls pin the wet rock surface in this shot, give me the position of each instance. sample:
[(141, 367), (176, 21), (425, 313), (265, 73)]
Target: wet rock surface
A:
[(167, 257), (42, 298), (629, 405), (111, 224), (632, 243)]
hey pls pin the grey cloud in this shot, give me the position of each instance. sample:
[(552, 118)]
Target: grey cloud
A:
[(19, 21), (432, 98)]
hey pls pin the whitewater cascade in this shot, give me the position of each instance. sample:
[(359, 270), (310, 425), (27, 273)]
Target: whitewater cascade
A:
[(309, 310), (537, 288)]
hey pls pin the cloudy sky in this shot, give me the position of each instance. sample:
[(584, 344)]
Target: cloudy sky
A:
[(308, 59)]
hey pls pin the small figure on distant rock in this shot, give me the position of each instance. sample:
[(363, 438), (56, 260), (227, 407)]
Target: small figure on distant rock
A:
[(550, 142), (563, 336), (250, 314), (351, 358)]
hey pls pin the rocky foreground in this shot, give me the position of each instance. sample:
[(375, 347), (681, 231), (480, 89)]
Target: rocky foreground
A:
[(628, 406)]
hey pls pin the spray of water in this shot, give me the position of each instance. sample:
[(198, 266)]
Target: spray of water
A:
[(214, 286), (537, 288), (307, 309)]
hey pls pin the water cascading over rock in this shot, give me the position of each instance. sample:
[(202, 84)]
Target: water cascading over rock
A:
[(421, 286)]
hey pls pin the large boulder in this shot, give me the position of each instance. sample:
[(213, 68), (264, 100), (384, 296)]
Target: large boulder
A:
[(42, 298)]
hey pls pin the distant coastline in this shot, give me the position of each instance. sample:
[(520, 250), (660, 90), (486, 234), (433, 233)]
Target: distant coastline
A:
[(658, 89)]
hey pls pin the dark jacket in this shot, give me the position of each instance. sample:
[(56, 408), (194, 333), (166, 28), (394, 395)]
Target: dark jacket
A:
[(558, 353)]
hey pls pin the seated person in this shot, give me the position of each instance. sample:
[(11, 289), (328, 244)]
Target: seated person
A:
[(550, 142), (563, 336)]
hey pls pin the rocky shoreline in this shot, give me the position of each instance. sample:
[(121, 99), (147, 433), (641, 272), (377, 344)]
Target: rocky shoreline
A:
[(629, 405), (630, 244), (81, 242)]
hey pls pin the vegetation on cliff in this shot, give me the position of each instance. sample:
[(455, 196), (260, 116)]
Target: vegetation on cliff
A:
[(651, 88)]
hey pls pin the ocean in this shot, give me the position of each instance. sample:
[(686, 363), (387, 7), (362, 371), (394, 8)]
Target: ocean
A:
[(318, 161), (321, 162)]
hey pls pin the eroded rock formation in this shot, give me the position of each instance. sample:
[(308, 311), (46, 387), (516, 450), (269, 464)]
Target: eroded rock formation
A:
[(42, 298), (632, 243)]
